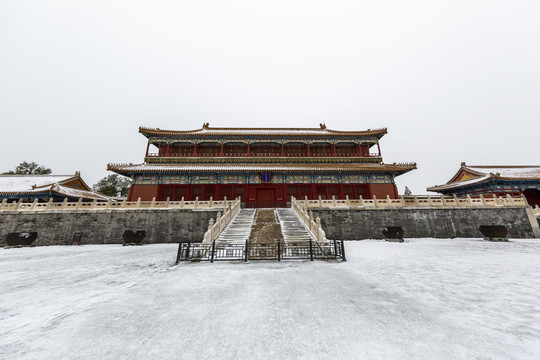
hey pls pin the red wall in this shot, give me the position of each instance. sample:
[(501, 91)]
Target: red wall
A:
[(381, 190), (264, 192), (145, 192)]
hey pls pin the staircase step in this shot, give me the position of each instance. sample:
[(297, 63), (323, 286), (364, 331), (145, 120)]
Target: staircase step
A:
[(292, 228), (238, 230)]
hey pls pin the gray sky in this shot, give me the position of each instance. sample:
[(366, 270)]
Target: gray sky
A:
[(452, 80)]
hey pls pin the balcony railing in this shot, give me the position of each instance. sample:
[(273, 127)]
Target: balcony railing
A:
[(412, 201), (255, 154)]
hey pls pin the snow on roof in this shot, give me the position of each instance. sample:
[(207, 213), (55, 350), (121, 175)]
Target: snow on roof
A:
[(519, 172), (29, 184), (206, 130), (76, 193), (459, 183), (61, 190), (14, 183), (134, 168)]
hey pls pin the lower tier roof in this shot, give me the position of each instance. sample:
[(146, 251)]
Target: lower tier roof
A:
[(133, 169)]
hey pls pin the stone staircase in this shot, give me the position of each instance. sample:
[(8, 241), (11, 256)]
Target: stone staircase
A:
[(238, 230), (241, 226), (294, 232)]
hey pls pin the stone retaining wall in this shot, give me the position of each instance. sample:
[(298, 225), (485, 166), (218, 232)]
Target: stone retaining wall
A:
[(106, 227), (358, 224)]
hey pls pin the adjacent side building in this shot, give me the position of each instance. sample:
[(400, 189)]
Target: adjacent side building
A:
[(45, 187), (494, 180)]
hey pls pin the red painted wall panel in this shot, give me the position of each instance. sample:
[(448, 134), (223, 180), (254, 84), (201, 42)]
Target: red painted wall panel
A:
[(381, 190), (145, 192)]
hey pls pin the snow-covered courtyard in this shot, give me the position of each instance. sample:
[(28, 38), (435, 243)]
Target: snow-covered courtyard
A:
[(423, 299)]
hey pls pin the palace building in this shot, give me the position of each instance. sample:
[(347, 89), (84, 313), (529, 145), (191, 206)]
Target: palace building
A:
[(494, 180), (263, 166)]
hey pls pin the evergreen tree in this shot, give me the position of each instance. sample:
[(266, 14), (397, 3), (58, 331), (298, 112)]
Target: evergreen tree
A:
[(26, 168), (113, 185)]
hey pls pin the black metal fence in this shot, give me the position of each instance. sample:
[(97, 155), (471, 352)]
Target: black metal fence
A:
[(278, 250)]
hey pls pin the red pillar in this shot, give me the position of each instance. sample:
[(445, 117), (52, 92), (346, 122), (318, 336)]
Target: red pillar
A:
[(195, 150), (378, 147), (221, 154), (282, 150), (147, 148), (308, 150), (248, 150), (334, 149), (359, 150), (167, 153)]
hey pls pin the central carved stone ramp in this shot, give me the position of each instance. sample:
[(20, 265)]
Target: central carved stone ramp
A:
[(266, 229), (294, 231), (238, 230)]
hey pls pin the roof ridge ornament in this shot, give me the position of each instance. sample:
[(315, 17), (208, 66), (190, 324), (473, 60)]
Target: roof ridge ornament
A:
[(205, 126), (323, 126)]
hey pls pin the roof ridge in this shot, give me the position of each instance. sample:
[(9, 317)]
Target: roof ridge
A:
[(34, 175), (502, 166), (206, 127)]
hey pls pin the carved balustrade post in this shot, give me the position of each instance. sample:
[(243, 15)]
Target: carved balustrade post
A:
[(483, 200), (211, 228)]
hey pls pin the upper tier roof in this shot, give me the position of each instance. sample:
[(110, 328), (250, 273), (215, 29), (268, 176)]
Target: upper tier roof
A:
[(475, 174), (206, 130)]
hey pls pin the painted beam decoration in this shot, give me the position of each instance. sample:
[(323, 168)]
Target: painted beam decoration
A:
[(263, 178)]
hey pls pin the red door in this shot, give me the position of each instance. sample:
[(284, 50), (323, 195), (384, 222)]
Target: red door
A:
[(266, 197)]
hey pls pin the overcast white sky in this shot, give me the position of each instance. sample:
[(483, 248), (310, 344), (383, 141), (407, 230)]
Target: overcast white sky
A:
[(452, 80)]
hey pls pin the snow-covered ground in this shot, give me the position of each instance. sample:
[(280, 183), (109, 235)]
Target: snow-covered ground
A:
[(423, 299)]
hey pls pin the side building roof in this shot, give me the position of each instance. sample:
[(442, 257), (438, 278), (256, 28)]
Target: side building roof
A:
[(475, 174), (72, 186)]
